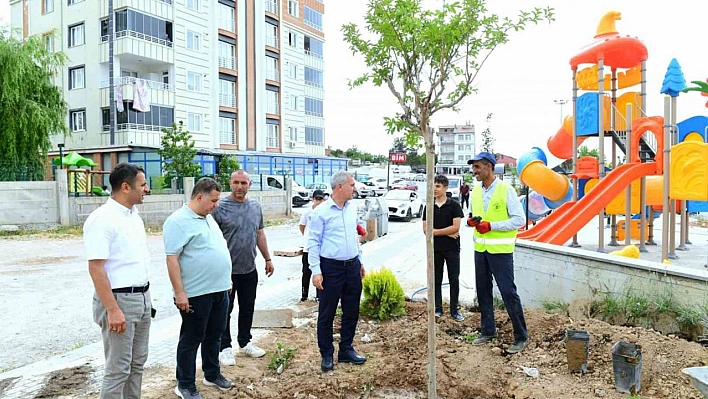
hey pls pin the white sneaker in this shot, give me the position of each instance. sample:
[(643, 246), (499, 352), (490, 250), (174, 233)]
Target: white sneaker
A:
[(226, 357), (252, 350)]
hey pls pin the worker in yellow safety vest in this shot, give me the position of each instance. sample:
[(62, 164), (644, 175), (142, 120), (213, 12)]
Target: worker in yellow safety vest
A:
[(496, 216)]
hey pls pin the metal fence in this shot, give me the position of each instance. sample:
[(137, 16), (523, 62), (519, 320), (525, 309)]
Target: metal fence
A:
[(21, 171)]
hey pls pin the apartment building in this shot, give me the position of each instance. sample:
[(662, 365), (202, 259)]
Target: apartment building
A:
[(456, 144), (245, 78)]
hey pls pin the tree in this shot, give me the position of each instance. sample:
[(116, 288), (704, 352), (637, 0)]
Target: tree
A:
[(32, 109), (429, 59), (487, 138), (584, 151), (227, 165), (178, 153)]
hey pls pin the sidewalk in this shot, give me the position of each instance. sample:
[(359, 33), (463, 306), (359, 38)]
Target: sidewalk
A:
[(403, 252)]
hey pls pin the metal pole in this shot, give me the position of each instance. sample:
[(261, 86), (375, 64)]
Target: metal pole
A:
[(111, 84), (527, 207), (628, 195), (666, 194), (642, 214), (613, 128), (672, 203), (684, 227), (688, 242), (574, 134), (601, 150)]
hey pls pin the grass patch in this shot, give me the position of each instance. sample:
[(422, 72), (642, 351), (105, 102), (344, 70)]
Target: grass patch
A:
[(54, 232), (499, 303), (469, 338), (281, 221), (558, 307)]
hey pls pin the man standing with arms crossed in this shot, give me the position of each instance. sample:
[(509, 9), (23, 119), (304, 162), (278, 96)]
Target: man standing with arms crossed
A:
[(116, 248), (199, 266), (241, 220), (334, 255), (497, 216)]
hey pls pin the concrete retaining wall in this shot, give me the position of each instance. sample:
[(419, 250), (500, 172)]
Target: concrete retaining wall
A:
[(549, 272), (28, 202)]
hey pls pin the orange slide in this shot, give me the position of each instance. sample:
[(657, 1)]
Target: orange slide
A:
[(569, 218)]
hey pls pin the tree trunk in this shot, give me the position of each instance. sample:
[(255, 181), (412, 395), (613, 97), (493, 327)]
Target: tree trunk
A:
[(429, 208)]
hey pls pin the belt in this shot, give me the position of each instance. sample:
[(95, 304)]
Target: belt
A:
[(340, 262), (131, 290)]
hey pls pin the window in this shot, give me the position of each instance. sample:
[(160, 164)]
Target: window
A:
[(313, 77), (193, 4), (293, 134), (76, 35), (271, 102), (313, 106), (271, 68), (293, 8), (194, 81), (155, 119), (312, 18), (314, 135), (133, 21), (226, 18), (227, 93), (194, 122), (77, 120), (227, 55), (124, 73), (47, 6), (460, 148), (227, 130), (166, 77), (193, 40), (49, 43), (314, 47), (292, 39), (271, 6), (76, 78), (292, 102), (292, 70), (72, 2), (271, 35), (272, 137)]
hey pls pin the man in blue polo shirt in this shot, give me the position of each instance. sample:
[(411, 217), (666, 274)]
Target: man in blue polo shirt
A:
[(199, 266)]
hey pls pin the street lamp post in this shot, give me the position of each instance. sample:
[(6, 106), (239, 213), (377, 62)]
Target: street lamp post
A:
[(561, 103)]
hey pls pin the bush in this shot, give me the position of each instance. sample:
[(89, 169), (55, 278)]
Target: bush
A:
[(383, 296)]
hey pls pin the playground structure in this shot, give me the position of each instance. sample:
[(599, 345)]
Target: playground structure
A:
[(650, 180)]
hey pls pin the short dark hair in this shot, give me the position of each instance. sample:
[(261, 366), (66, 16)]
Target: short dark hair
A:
[(442, 180), (124, 173), (205, 185)]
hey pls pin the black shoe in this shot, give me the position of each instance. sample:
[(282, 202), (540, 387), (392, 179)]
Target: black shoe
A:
[(438, 313), (518, 346), (303, 299), (327, 364), (351, 356), (220, 382), (483, 339)]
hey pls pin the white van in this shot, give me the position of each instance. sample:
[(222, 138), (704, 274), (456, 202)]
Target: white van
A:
[(453, 188), (300, 195)]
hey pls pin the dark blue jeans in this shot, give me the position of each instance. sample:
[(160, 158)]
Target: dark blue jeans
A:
[(203, 325), (501, 267), (340, 280)]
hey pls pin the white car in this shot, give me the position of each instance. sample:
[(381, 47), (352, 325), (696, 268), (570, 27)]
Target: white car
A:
[(379, 185), (403, 204), (319, 186), (362, 190), (453, 188)]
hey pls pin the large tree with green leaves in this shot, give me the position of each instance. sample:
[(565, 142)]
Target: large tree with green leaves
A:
[(32, 109), (178, 152), (429, 59)]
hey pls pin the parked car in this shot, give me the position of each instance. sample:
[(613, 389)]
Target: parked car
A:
[(453, 188), (379, 185), (319, 186), (405, 185), (362, 190), (403, 204), (301, 196)]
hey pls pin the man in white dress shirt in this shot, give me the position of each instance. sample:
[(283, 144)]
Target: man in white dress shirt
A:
[(117, 253)]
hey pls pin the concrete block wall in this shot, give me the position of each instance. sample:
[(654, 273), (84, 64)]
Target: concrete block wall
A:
[(548, 272), (28, 202), (154, 210)]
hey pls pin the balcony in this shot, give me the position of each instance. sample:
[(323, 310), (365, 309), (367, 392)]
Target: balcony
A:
[(133, 43), (313, 91), (313, 60), (272, 74), (134, 134), (227, 24), (271, 6), (271, 41), (158, 93), (226, 100), (159, 8), (227, 62)]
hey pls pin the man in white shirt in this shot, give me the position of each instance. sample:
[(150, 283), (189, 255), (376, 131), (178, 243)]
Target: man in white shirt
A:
[(318, 197), (116, 249)]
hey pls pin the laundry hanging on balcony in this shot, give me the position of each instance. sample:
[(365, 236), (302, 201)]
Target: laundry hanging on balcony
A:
[(141, 100), (118, 96)]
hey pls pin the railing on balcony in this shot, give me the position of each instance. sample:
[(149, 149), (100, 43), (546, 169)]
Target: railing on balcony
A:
[(272, 142), (227, 62), (129, 80), (170, 1), (272, 74), (138, 35), (226, 100), (227, 24), (271, 41), (136, 126), (271, 6)]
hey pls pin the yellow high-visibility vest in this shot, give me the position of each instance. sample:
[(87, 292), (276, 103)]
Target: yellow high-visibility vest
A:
[(494, 242)]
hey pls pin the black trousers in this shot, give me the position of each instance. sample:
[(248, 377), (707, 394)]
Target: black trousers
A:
[(244, 290), (465, 203), (202, 325), (501, 267), (306, 276), (341, 280), (451, 257)]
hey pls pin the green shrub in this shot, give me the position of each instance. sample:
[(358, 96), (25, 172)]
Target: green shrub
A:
[(383, 296), (281, 358)]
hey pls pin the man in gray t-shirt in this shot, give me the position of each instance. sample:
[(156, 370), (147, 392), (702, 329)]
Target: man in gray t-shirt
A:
[(241, 221)]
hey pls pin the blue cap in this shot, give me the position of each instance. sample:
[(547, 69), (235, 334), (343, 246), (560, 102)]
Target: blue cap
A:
[(483, 155)]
